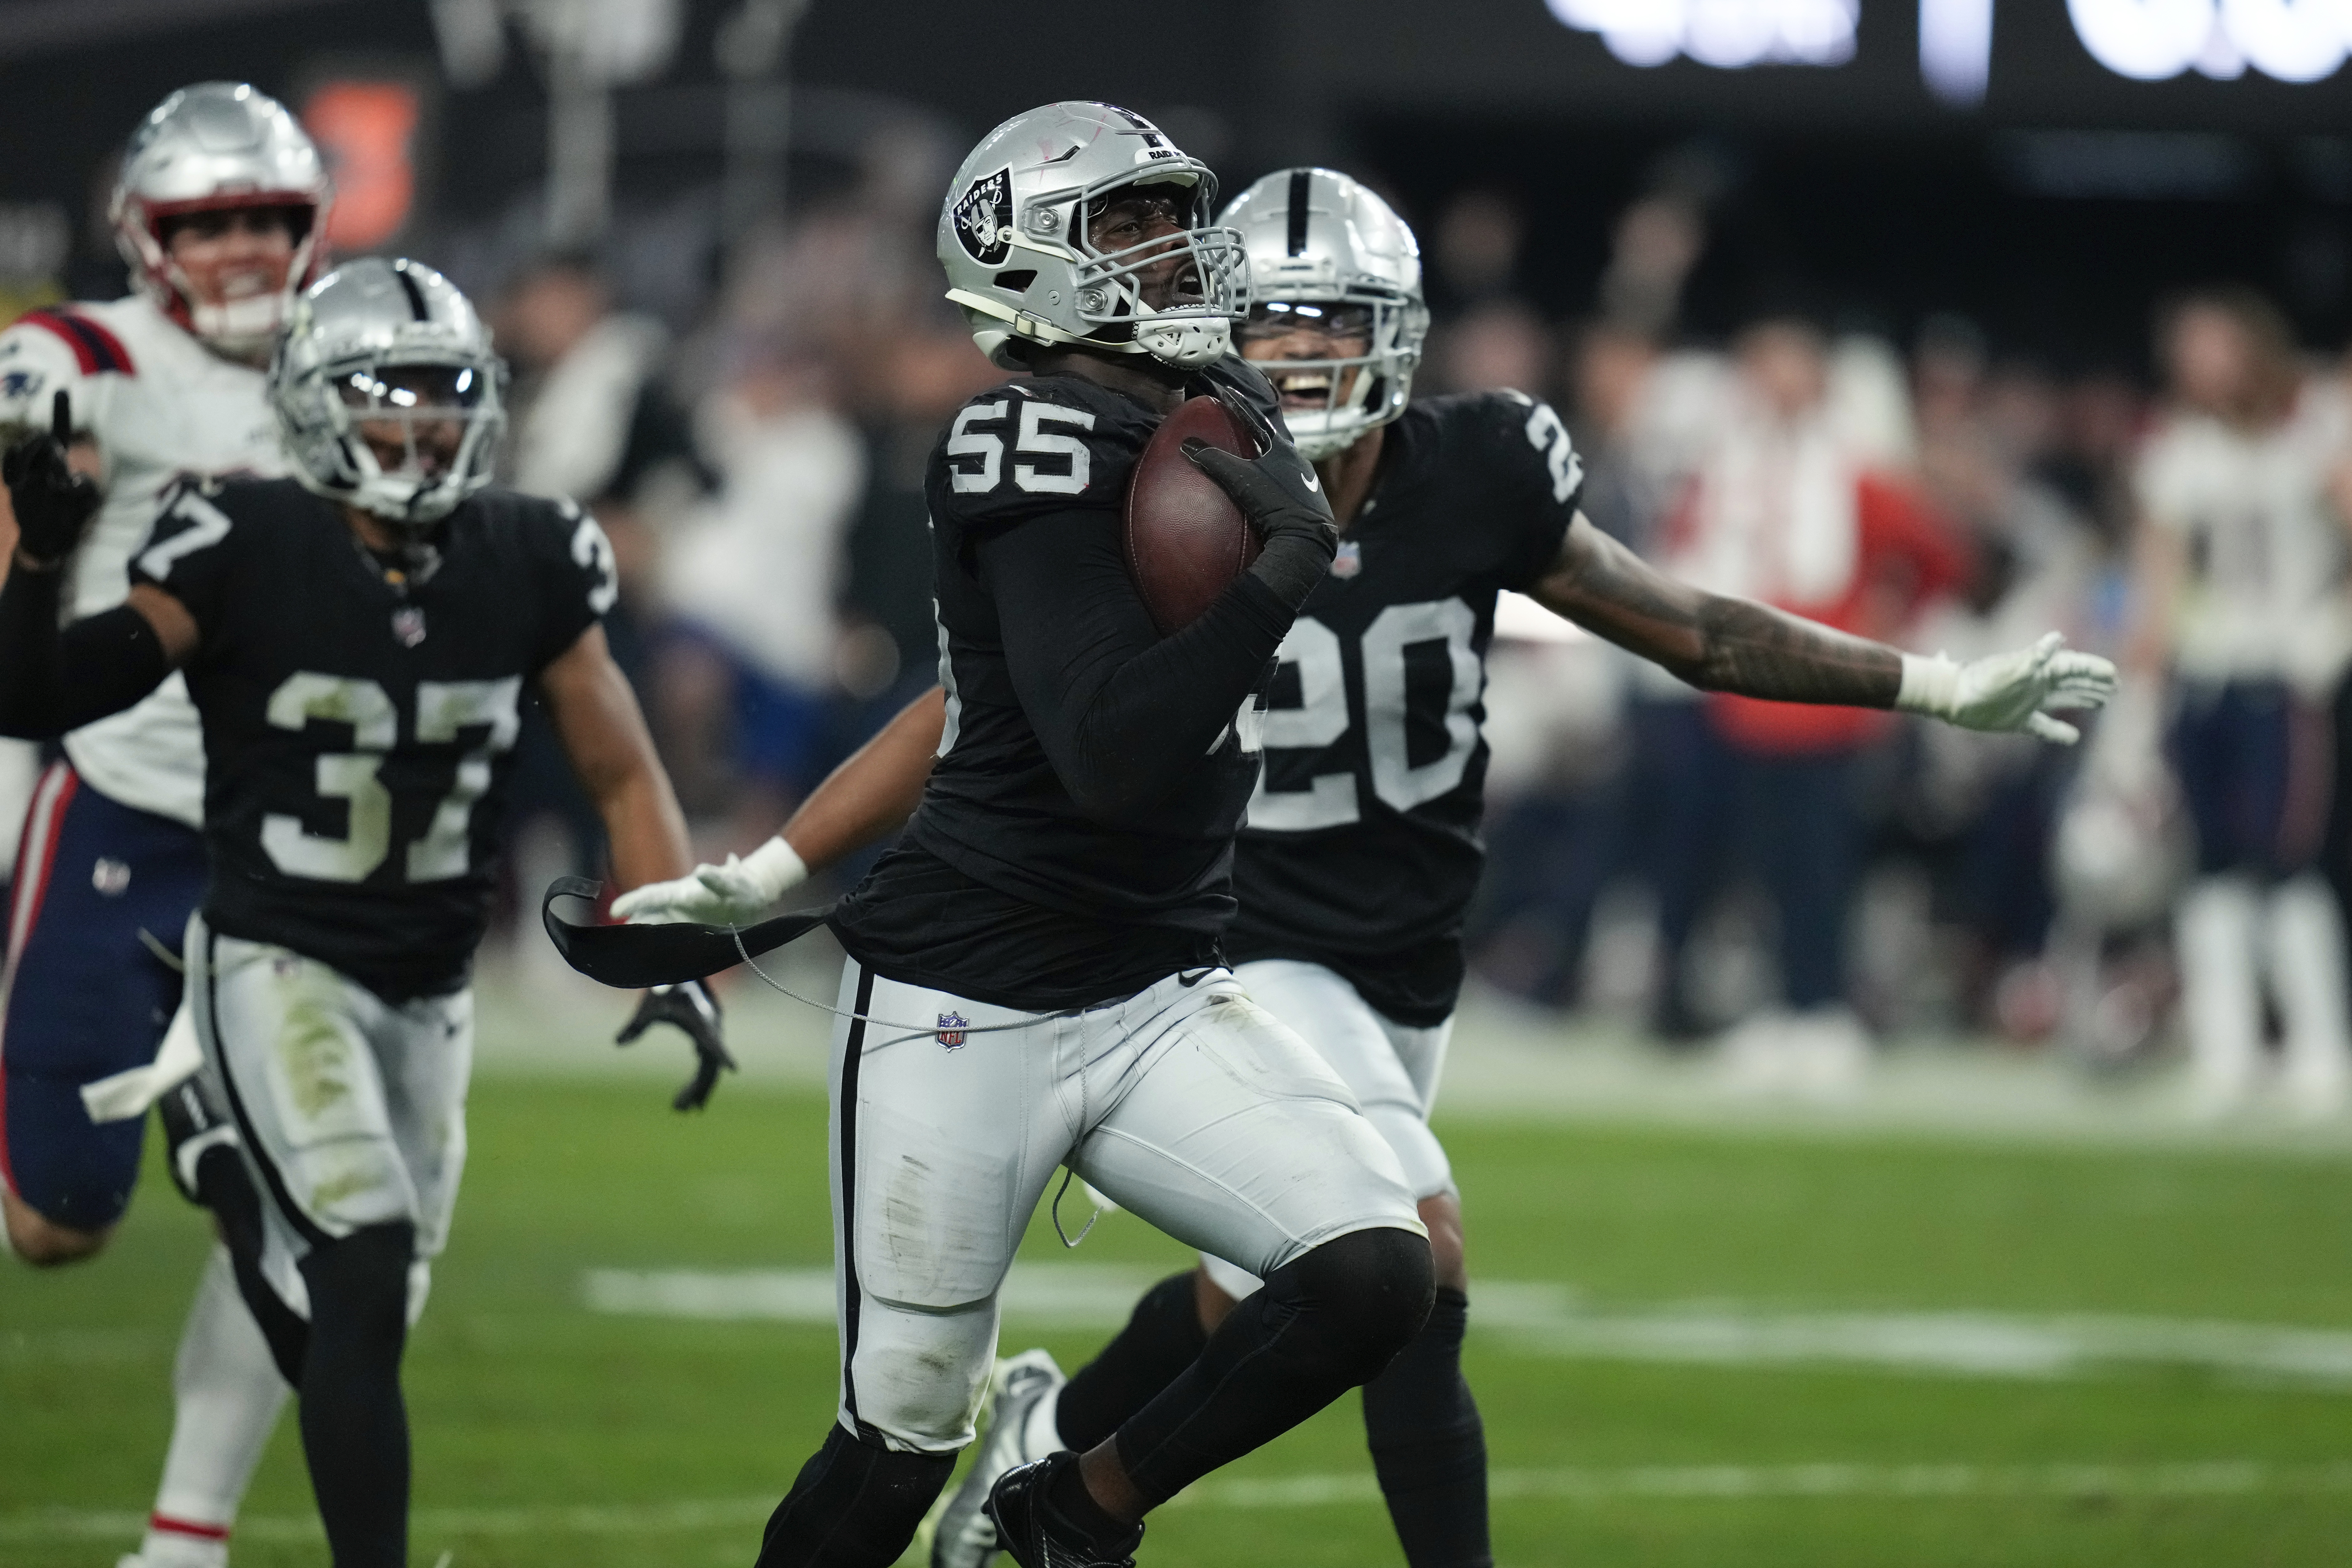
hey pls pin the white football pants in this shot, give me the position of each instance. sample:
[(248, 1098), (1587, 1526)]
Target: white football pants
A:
[(353, 1111), (1391, 1068), (1187, 1104)]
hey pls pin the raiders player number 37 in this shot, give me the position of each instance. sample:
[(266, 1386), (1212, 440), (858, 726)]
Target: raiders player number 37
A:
[(1361, 850), (356, 640)]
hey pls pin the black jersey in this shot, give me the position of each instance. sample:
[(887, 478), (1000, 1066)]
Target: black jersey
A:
[(1074, 842), (358, 734), (1361, 848)]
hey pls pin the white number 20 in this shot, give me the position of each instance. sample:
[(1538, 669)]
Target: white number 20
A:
[(1321, 717), (443, 710), (1547, 434)]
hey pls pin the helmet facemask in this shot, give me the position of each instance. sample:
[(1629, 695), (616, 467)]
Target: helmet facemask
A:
[(1343, 397), (243, 326), (436, 419), (1197, 270)]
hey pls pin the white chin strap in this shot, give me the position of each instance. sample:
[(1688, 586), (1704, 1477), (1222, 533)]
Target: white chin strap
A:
[(1185, 340), (1326, 435), (239, 326)]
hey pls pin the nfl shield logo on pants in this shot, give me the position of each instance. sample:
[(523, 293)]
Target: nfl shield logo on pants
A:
[(951, 1028)]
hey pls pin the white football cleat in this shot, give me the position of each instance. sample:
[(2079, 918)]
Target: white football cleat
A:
[(1020, 1396)]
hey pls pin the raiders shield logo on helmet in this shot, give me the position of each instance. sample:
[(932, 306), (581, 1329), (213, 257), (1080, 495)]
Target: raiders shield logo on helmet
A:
[(983, 215)]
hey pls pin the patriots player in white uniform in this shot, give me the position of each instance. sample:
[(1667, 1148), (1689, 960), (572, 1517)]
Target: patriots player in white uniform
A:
[(218, 210), (1361, 850)]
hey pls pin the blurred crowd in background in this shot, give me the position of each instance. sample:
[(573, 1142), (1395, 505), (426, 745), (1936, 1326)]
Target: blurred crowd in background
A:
[(1795, 884)]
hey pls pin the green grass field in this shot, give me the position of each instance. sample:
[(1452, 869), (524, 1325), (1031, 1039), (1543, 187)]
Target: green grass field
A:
[(1704, 1346)]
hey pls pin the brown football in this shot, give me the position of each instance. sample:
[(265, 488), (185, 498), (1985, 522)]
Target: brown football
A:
[(1185, 538)]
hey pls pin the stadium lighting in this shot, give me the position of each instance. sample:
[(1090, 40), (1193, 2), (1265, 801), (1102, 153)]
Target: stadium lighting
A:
[(1729, 35), (2154, 41), (1955, 49)]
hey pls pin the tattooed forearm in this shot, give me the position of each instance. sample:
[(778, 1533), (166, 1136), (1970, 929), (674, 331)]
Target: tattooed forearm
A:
[(1757, 651), (1715, 642)]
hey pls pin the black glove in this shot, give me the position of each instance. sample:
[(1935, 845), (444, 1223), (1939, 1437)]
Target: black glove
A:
[(1279, 496), (52, 502), (693, 1008)]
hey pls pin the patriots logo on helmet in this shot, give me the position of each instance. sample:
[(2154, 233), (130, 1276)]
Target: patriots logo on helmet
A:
[(19, 384), (981, 214), (951, 1029)]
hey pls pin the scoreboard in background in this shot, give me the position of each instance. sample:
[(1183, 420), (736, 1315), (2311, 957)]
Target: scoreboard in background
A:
[(2144, 40), (2223, 65)]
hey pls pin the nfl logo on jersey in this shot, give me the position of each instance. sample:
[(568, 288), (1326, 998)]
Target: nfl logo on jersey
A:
[(951, 1029)]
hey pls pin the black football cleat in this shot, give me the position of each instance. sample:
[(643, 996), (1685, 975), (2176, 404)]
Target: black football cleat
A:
[(1034, 1534)]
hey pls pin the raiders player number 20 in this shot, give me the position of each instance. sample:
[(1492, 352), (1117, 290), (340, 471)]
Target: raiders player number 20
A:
[(357, 641)]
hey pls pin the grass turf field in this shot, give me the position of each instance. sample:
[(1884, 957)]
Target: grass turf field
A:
[(1704, 1345)]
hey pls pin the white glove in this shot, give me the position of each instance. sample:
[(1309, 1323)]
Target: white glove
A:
[(735, 894), (2008, 691)]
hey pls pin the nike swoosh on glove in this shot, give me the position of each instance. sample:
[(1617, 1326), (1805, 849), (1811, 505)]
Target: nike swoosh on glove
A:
[(2009, 690), (53, 503), (1280, 496), (734, 894)]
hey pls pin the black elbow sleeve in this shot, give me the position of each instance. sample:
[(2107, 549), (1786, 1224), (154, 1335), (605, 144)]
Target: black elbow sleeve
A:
[(54, 681), (112, 660)]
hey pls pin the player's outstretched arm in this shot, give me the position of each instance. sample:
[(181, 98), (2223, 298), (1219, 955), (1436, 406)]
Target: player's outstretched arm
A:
[(1722, 644), (864, 799)]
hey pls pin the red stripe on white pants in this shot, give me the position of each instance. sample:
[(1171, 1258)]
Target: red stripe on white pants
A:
[(163, 1524)]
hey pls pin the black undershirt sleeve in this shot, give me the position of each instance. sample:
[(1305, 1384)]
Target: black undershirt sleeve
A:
[(54, 679), (1122, 711)]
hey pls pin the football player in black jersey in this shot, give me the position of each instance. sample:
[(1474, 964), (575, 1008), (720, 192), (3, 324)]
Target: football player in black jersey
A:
[(357, 641), (1034, 977), (1361, 850)]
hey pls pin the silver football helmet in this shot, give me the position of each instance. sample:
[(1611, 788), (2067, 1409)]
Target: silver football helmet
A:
[(215, 145), (1324, 250), (391, 345), (1013, 238)]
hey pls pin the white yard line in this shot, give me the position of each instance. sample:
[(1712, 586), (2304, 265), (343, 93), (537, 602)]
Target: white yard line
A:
[(2203, 1478), (1536, 1318)]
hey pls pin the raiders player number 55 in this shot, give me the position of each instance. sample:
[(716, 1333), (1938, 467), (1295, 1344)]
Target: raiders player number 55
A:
[(1360, 849), (357, 641)]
